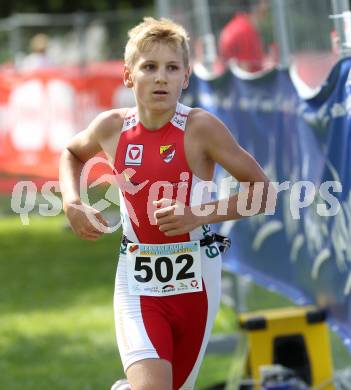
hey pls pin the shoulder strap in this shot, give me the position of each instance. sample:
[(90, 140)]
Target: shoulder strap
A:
[(180, 116), (131, 119)]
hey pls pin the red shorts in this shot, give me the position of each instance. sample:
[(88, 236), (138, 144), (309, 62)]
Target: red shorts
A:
[(176, 328)]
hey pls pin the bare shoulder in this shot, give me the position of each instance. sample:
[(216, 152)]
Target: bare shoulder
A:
[(101, 135), (205, 126), (202, 121), (107, 124), (219, 145), (212, 134)]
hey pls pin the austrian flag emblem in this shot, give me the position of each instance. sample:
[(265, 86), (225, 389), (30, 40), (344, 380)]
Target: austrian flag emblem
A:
[(167, 152), (134, 154)]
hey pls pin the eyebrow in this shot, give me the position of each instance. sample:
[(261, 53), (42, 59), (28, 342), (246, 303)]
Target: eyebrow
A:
[(168, 62)]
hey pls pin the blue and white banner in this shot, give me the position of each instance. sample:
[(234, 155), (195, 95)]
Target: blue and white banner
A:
[(297, 251)]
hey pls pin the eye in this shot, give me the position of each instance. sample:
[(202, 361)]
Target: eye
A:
[(149, 66), (173, 67)]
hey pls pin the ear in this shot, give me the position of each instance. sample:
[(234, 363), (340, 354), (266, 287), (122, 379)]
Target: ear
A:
[(186, 78), (127, 77)]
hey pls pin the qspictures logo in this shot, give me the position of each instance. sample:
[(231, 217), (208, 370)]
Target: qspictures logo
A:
[(250, 198)]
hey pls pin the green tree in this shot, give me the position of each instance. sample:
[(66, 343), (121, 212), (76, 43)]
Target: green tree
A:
[(62, 6)]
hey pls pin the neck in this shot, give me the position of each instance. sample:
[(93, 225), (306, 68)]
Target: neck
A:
[(153, 119)]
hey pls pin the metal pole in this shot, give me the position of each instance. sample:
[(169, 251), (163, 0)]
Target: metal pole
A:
[(340, 8), (15, 38), (80, 23), (281, 31), (204, 29), (162, 8)]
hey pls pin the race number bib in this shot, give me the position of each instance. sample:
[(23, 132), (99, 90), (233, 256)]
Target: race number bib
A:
[(164, 269)]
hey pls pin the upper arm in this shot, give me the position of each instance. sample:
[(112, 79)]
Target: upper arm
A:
[(87, 143), (220, 146)]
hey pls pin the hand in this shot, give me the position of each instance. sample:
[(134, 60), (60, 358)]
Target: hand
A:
[(86, 222), (174, 218)]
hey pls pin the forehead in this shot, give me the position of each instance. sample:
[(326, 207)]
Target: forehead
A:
[(161, 52)]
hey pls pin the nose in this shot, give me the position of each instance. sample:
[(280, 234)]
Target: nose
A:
[(160, 77)]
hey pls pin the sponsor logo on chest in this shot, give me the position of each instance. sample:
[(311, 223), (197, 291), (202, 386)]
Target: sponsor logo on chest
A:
[(134, 154)]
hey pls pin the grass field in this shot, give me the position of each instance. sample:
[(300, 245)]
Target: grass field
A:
[(56, 328)]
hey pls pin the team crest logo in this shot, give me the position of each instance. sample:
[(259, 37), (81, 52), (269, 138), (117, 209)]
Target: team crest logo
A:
[(167, 152)]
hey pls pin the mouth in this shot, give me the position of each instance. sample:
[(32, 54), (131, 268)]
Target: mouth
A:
[(160, 92)]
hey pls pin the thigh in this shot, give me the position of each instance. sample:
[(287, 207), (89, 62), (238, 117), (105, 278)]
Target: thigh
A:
[(190, 349), (142, 328), (150, 374)]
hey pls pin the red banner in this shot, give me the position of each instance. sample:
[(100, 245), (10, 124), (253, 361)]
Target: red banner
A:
[(41, 111)]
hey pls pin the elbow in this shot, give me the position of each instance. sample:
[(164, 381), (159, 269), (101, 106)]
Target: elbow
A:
[(69, 154)]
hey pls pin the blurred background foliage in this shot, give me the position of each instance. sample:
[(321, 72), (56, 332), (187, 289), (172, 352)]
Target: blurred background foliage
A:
[(62, 6)]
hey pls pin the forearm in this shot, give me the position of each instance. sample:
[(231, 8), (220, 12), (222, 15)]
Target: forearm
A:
[(243, 204), (70, 173)]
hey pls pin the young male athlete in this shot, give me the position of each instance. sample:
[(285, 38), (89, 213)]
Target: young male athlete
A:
[(167, 289)]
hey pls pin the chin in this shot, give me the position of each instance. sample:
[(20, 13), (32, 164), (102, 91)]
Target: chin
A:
[(162, 105)]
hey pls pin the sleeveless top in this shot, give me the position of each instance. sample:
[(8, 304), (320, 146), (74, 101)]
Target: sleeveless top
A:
[(151, 165)]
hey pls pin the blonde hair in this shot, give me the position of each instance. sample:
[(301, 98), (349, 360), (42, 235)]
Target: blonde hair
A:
[(151, 31)]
